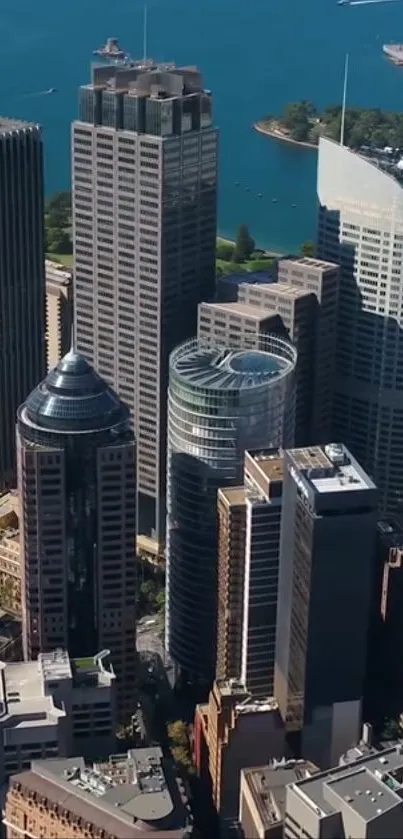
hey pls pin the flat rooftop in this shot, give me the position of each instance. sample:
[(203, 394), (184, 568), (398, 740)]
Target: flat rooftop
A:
[(270, 463), (254, 277), (286, 290), (267, 786), (133, 796), (311, 262), (370, 786), (244, 309), (329, 469), (233, 496)]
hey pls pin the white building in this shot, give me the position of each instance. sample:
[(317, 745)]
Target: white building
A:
[(361, 227), (54, 707)]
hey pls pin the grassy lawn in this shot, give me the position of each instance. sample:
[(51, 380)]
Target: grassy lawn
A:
[(65, 259), (84, 663)]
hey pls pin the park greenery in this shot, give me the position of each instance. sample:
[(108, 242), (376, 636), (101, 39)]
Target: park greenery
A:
[(58, 239), (304, 123), (179, 741), (241, 255)]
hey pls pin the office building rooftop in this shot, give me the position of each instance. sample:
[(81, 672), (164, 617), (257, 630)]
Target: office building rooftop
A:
[(132, 796), (73, 398), (329, 469), (267, 786), (370, 786), (9, 125), (253, 312), (222, 368)]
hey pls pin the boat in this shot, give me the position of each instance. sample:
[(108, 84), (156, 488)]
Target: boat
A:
[(51, 90), (394, 52), (111, 50)]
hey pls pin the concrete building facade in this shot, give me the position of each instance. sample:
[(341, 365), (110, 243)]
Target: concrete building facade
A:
[(77, 486), (233, 324), (327, 568), (361, 227), (133, 796), (22, 288), (144, 217), (221, 401), (59, 311), (249, 520), (54, 707), (305, 299)]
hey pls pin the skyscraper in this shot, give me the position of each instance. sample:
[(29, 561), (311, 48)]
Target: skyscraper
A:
[(305, 301), (144, 208), (361, 227), (220, 403), (327, 566), (249, 519), (22, 277), (76, 480)]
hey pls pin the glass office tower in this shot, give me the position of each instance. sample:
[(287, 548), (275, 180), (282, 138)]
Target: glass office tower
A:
[(220, 403)]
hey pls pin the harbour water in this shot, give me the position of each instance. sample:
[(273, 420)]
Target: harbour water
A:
[(256, 56)]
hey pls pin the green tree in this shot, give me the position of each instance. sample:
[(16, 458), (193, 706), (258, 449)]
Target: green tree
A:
[(59, 201), (308, 249), (244, 245), (224, 251), (160, 601), (178, 733), (58, 241)]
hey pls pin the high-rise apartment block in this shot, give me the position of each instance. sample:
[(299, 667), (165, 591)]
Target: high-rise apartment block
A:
[(231, 732), (54, 707), (327, 565), (361, 227), (249, 519), (22, 287), (361, 800), (77, 485), (144, 216), (133, 796), (221, 401), (59, 311)]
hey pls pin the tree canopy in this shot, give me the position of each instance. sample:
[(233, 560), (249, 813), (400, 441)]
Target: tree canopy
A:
[(244, 245), (363, 126)]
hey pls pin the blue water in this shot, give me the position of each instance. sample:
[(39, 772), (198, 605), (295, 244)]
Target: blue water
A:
[(256, 56)]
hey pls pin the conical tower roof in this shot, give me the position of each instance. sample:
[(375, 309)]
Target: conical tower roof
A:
[(74, 398)]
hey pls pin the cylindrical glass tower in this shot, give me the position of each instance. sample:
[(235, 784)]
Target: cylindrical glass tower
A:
[(221, 402)]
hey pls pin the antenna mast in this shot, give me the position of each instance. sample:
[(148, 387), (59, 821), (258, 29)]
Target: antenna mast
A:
[(145, 33), (343, 110)]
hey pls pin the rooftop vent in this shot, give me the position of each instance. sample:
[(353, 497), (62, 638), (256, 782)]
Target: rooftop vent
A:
[(335, 453)]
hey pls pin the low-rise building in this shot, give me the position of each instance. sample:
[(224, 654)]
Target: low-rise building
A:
[(232, 732), (263, 793), (54, 707), (133, 796), (363, 799)]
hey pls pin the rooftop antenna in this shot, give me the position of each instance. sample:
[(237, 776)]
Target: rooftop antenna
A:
[(343, 109), (145, 33)]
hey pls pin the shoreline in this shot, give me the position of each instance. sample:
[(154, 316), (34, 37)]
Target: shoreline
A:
[(267, 252), (277, 134)]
